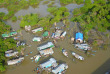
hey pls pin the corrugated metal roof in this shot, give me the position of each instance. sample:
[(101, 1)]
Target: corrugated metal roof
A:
[(46, 51), (48, 63), (59, 68)]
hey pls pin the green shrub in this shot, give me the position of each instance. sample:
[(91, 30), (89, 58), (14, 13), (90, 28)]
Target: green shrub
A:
[(14, 18)]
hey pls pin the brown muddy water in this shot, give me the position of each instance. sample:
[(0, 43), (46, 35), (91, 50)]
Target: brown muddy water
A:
[(98, 64)]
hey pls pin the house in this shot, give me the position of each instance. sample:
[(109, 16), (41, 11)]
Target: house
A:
[(47, 45), (15, 61), (12, 53), (57, 34), (60, 68), (37, 30), (46, 34), (46, 51), (8, 51), (48, 63), (79, 37), (9, 34)]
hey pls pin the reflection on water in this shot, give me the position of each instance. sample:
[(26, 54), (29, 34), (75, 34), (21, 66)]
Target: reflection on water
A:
[(4, 10), (42, 10)]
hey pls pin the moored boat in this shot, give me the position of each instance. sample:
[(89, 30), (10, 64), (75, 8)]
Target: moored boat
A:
[(77, 56), (37, 58), (65, 52)]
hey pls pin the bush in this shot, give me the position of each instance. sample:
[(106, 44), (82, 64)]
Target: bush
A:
[(14, 18)]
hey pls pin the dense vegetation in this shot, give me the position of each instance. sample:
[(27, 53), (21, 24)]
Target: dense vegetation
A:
[(71, 1), (15, 5), (93, 16), (5, 44), (46, 22)]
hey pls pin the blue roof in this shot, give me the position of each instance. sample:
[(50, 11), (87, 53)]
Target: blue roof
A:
[(79, 36)]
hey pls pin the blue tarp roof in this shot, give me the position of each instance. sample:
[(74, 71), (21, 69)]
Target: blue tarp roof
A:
[(79, 36)]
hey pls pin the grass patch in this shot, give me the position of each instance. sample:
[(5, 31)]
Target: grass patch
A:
[(51, 4), (45, 2)]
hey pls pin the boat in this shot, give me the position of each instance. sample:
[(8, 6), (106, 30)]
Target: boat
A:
[(37, 58), (37, 30), (77, 56), (37, 39), (65, 52), (83, 46), (48, 63), (45, 46), (48, 51), (63, 34), (15, 61), (60, 69), (13, 53)]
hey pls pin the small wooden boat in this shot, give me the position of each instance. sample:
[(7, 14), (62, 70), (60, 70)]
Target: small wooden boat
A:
[(77, 56), (65, 52)]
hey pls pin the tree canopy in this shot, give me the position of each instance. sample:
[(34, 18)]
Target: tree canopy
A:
[(93, 16)]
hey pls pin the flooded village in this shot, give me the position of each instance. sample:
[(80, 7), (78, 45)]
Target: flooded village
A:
[(60, 50)]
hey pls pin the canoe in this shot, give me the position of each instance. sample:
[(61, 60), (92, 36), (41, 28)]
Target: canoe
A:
[(77, 56), (65, 52)]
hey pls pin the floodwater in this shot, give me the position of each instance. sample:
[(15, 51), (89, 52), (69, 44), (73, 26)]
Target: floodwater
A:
[(4, 10), (98, 64), (42, 10)]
